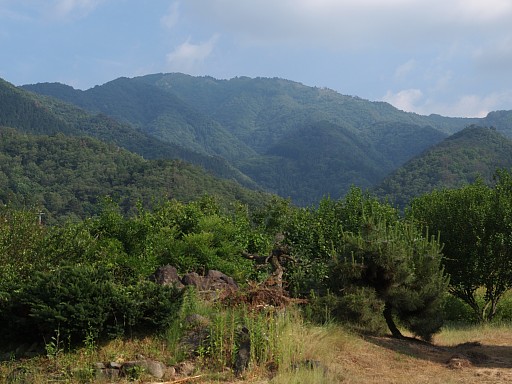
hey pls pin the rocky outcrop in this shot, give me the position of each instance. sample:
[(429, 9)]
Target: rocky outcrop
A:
[(210, 284)]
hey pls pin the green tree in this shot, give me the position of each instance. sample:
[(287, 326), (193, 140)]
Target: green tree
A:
[(475, 226), (401, 267), (316, 235)]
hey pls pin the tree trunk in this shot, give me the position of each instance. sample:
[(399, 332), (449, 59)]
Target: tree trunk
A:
[(388, 315)]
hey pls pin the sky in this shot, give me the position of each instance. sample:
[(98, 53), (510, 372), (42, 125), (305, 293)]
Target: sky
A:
[(448, 57)]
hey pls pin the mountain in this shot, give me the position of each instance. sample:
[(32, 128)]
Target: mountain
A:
[(153, 111), (37, 114), (500, 120), (475, 152), (66, 176), (26, 112), (298, 141)]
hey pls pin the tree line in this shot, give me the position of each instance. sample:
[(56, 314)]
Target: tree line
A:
[(354, 259)]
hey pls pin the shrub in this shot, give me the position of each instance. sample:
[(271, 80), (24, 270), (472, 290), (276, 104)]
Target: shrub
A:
[(72, 299), (83, 301)]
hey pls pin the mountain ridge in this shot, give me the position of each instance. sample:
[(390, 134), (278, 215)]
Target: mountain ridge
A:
[(251, 123), (248, 121)]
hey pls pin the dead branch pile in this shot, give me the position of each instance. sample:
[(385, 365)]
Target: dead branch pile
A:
[(261, 296)]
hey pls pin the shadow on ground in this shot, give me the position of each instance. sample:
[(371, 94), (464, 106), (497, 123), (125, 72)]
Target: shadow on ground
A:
[(471, 354)]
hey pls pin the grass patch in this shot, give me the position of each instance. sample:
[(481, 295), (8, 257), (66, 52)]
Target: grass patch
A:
[(285, 349)]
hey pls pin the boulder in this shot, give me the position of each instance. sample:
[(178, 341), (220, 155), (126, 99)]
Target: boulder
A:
[(195, 280), (155, 368), (210, 285), (167, 275), (218, 280)]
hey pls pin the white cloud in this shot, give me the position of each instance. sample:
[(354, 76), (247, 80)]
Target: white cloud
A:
[(170, 19), (476, 105), (469, 105), (352, 23), (188, 57), (406, 100)]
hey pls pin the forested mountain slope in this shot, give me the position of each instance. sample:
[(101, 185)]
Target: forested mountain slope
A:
[(475, 152), (36, 114), (67, 176), (298, 141)]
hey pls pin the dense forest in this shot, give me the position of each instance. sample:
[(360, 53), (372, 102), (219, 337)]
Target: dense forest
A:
[(466, 156), (275, 132), (67, 176)]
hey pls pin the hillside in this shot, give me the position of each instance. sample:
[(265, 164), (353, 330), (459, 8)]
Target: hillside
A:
[(253, 124), (475, 152), (66, 176), (36, 114)]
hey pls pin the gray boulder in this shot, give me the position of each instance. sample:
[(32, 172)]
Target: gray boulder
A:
[(167, 275)]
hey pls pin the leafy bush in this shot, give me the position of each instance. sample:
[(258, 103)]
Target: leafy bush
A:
[(71, 299), (456, 311), (82, 300), (145, 307)]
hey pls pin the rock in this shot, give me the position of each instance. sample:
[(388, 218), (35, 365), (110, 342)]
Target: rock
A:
[(153, 367), (193, 279), (217, 278), (210, 286), (115, 365), (103, 372), (458, 362), (167, 275), (185, 368)]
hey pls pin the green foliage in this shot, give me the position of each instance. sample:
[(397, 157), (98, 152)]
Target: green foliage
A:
[(70, 299), (402, 267), (298, 141), (66, 177), (80, 302), (316, 236), (361, 307), (362, 251), (471, 154), (145, 307), (457, 312), (21, 239), (475, 225)]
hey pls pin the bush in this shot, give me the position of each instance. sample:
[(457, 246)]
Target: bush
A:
[(457, 312), (144, 307), (504, 311), (72, 300), (80, 301)]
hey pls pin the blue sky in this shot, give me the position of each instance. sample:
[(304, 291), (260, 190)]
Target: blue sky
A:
[(451, 57)]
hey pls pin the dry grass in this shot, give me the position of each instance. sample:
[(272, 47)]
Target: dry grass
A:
[(330, 354), (480, 354)]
